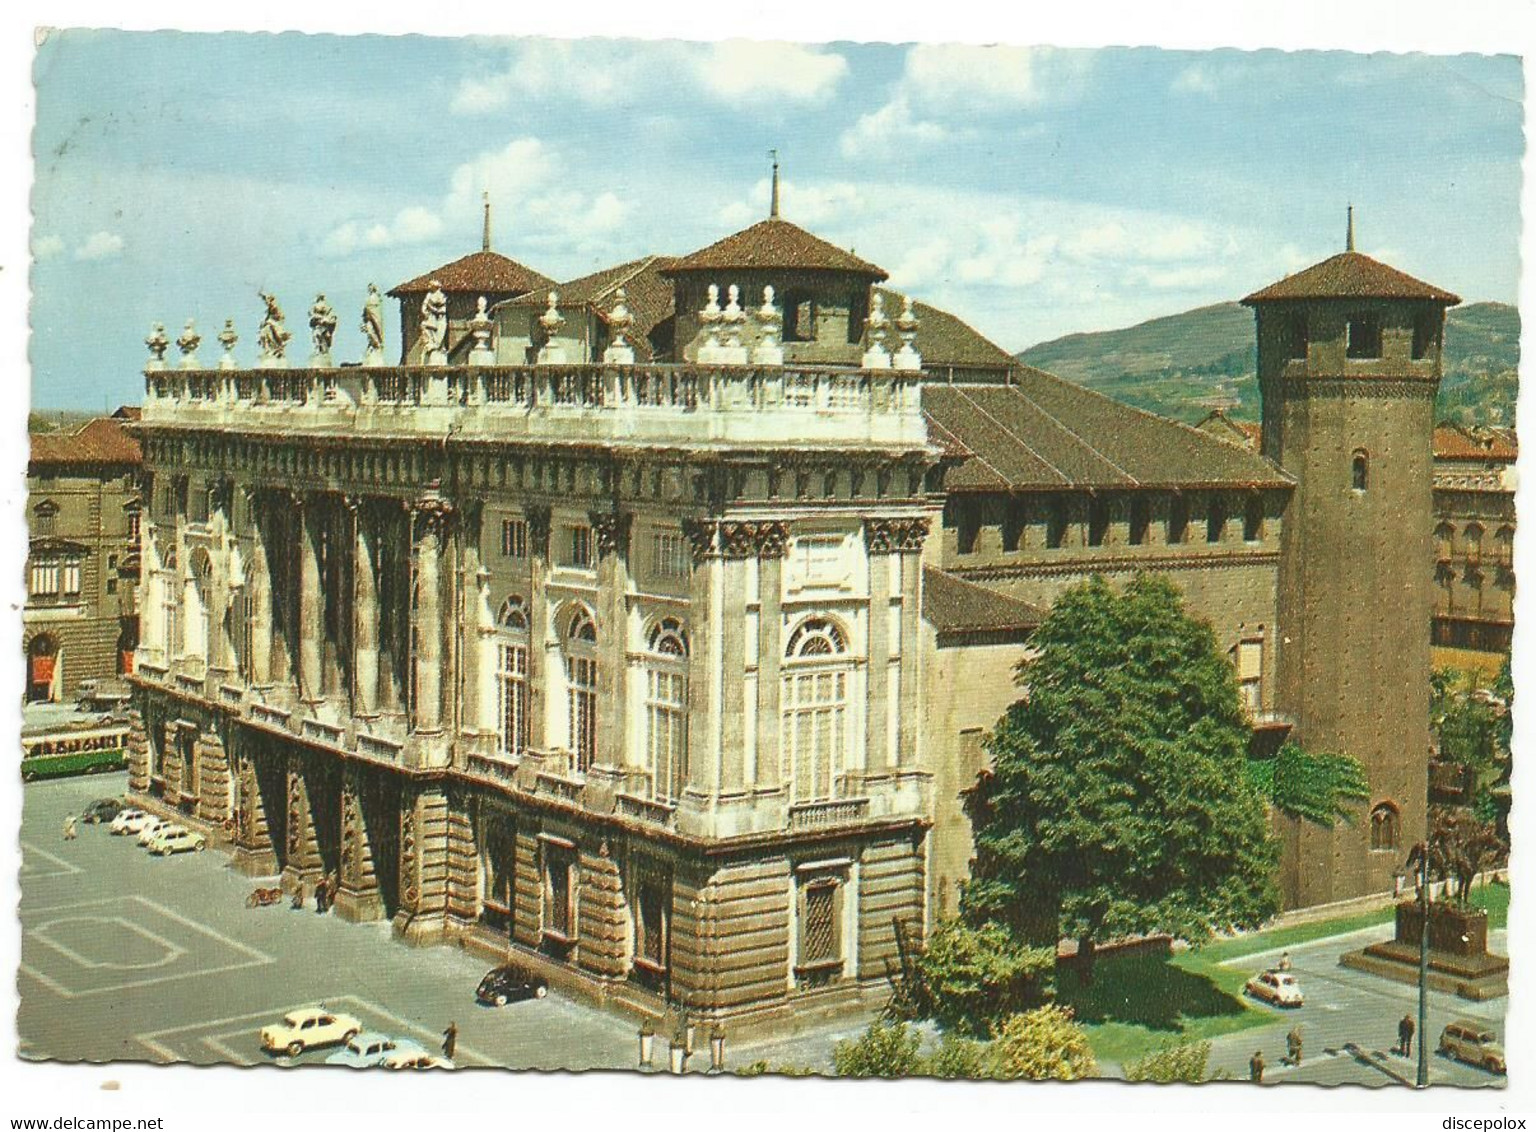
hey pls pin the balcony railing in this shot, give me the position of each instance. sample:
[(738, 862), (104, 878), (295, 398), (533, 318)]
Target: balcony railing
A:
[(644, 404), (646, 809), (836, 811)]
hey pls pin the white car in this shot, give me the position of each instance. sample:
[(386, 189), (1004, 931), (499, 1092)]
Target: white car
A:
[(129, 821), (305, 1029), (364, 1051), (154, 827), (1279, 988), (415, 1059), (175, 839)]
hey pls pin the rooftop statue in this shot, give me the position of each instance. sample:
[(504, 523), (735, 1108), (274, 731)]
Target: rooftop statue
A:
[(158, 343), (434, 319), (188, 343), (322, 326), (273, 336), (373, 320)]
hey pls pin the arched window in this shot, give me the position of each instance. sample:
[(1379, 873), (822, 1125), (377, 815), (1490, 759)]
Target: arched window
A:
[(1445, 539), (666, 708), (197, 628), (815, 696), (1504, 545), (512, 678), (1473, 542), (1359, 470), (581, 688), (1385, 823), (799, 316)]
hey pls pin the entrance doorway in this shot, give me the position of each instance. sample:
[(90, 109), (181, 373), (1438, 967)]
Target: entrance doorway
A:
[(42, 670)]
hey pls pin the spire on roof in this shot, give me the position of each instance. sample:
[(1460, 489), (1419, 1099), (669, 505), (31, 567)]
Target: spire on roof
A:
[(1349, 233), (773, 201), (485, 232)]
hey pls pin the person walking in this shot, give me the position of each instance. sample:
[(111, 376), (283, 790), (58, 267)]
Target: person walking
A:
[(1405, 1036), (450, 1040), (322, 890), (1293, 1045), (1256, 1067), (69, 828)]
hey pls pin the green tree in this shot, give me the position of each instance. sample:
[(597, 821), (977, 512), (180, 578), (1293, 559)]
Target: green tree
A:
[(1041, 1045), (969, 977), (1184, 1062), (1117, 802), (886, 1049), (1319, 788)]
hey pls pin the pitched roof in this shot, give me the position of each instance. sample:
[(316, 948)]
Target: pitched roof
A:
[(955, 605), (1043, 432), (774, 243), (944, 340), (98, 441), (1218, 424), (1351, 275), (1455, 442), (483, 273), (648, 296)]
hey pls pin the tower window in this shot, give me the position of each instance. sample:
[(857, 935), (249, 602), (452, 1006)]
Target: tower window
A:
[(1056, 523), (1426, 334), (967, 528), (1098, 521), (1253, 519), (1364, 337), (1140, 520), (1296, 337), (1385, 822), (1359, 471), (1178, 520), (799, 317), (1216, 520)]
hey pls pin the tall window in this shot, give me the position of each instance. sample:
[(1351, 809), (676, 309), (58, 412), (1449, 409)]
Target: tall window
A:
[(799, 317), (514, 538), (1296, 337), (820, 913), (666, 709), (1253, 519), (1426, 334), (45, 518), (1384, 826), (581, 547), (1359, 470), (1364, 337), (1248, 659), (1216, 519), (669, 555), (1472, 542), (512, 679), (652, 924), (559, 892), (815, 710), (44, 580), (134, 518), (581, 688)]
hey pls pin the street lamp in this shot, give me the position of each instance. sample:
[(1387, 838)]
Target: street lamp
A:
[(1420, 856)]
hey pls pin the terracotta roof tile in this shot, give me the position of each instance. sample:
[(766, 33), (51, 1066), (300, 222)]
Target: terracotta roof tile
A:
[(955, 605), (1453, 442), (1351, 275), (99, 441), (648, 296), (944, 340), (483, 273), (774, 243)]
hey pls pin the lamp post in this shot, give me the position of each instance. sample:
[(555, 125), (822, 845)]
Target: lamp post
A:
[(1421, 852)]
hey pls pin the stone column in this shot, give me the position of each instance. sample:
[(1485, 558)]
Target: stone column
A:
[(431, 517), (357, 895), (365, 612), (138, 752), (770, 651), (610, 533), (600, 915), (475, 627), (538, 624), (907, 540), (310, 603), (704, 705)]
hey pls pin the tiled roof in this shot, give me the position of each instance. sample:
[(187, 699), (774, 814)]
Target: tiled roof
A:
[(128, 412), (1044, 432), (774, 243), (1218, 424), (98, 441), (944, 340), (1351, 275), (1453, 442), (648, 296), (482, 273), (954, 605)]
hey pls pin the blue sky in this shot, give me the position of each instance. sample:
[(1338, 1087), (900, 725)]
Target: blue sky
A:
[(1034, 192)]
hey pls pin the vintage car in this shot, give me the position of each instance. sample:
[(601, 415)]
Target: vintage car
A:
[(415, 1059), (128, 821), (509, 983), (102, 810), (176, 839), (153, 828), (364, 1051), (1474, 1043), (1278, 988), (305, 1029)]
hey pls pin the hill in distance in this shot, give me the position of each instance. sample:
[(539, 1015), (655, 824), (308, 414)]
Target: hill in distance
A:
[(1184, 365)]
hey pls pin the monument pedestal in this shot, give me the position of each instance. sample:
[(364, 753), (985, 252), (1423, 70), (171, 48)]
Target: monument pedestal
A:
[(1459, 960)]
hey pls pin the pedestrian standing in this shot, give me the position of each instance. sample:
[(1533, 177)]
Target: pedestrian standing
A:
[(1285, 961), (1405, 1036), (298, 897), (321, 891), (69, 828), (1256, 1067), (1293, 1045), (450, 1040)]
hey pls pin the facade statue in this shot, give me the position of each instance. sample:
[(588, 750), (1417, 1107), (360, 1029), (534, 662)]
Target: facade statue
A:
[(322, 326), (373, 320), (434, 319), (157, 343), (273, 336)]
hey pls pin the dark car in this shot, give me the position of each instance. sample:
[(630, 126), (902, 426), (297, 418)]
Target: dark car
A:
[(509, 983), (102, 810)]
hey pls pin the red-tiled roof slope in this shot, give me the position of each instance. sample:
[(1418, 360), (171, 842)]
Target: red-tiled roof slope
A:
[(98, 441), (774, 243), (1218, 424), (648, 296), (944, 340), (955, 605), (1351, 275), (483, 273), (1044, 432), (1453, 442)]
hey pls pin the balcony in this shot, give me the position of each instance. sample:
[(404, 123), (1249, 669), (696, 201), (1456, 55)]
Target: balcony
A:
[(835, 811), (646, 809), (639, 405)]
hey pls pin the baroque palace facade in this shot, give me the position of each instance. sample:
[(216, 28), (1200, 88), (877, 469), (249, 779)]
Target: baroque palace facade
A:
[(648, 626)]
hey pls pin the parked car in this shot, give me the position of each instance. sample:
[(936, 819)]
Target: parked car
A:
[(175, 839), (128, 821), (155, 826), (510, 982), (1473, 1043), (408, 1059), (305, 1029), (1279, 988), (364, 1051), (102, 810)]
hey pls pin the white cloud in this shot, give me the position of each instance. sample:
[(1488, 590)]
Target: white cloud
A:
[(885, 131), (1195, 79), (46, 247), (591, 71), (738, 69), (814, 205), (100, 245)]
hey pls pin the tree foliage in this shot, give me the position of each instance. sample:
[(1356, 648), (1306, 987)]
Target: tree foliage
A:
[(1184, 1062), (1118, 802), (968, 978), (1320, 788), (886, 1049), (1041, 1045)]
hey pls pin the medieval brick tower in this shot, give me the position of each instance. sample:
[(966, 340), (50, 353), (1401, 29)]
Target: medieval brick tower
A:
[(1349, 363)]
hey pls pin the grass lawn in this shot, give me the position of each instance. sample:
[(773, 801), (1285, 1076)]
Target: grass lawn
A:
[(1493, 899)]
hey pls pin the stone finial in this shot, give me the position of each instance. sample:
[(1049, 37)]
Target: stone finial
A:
[(709, 318), (552, 352), (732, 321), (158, 343), (619, 352), (273, 335), (480, 329), (876, 356), (322, 329), (188, 342), (768, 351), (434, 325), (906, 324), (373, 327), (227, 338)]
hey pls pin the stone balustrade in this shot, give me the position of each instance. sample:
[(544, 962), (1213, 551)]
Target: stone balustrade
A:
[(641, 404)]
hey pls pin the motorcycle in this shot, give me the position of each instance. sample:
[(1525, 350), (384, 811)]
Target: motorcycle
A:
[(263, 897)]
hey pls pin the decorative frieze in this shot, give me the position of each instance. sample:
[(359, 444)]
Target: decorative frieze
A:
[(610, 532), (736, 538), (899, 536)]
